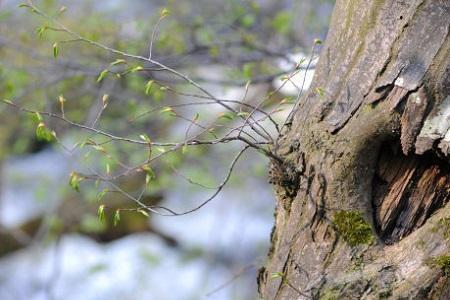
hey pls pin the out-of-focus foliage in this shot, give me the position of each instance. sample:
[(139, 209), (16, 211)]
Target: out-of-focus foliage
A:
[(43, 68)]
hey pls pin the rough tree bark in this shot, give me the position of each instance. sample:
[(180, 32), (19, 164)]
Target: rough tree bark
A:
[(363, 194)]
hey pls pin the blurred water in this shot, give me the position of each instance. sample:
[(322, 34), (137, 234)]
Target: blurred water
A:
[(228, 234), (30, 185)]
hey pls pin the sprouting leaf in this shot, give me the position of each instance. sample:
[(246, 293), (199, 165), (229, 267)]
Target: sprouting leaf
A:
[(99, 148), (61, 99), (40, 31), (286, 100), (247, 84), (136, 69), (276, 275), (45, 134), (160, 149), (143, 212), (118, 61), (213, 133), (62, 9), (299, 64), (169, 110), (55, 50), (320, 91), (108, 169), (101, 194), (148, 86), (226, 115), (7, 101), (243, 114), (102, 75), (145, 138), (74, 181), (105, 99), (101, 213), (164, 13), (38, 117), (150, 174), (317, 41), (116, 218), (23, 5)]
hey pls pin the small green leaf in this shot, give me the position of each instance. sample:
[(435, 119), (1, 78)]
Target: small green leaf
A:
[(160, 149), (8, 101), (317, 41), (320, 91), (55, 50), (226, 115), (102, 75), (101, 194), (243, 114), (40, 31), (136, 69), (148, 86), (118, 61), (61, 99), (164, 13), (45, 134), (116, 218), (169, 110), (150, 174), (23, 5), (212, 132), (37, 117), (74, 181), (101, 213), (143, 212), (99, 148), (145, 138), (276, 275)]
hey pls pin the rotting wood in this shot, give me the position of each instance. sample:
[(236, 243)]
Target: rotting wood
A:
[(407, 190)]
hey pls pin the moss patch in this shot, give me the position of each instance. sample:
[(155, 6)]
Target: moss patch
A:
[(444, 224), (442, 262), (353, 228)]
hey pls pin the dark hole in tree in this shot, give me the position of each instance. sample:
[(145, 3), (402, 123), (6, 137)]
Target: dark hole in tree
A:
[(407, 190)]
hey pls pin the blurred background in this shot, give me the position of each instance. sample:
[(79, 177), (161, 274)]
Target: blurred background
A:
[(53, 245)]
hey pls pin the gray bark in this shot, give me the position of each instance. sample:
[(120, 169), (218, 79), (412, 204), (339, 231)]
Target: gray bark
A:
[(374, 146)]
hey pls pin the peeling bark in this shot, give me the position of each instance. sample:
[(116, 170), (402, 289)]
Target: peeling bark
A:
[(375, 145)]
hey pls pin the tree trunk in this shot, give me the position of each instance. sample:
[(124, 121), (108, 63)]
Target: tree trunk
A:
[(362, 195)]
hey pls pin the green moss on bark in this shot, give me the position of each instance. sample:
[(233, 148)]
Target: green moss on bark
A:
[(353, 228), (442, 262)]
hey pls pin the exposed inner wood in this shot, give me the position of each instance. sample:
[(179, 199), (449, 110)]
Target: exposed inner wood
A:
[(407, 190)]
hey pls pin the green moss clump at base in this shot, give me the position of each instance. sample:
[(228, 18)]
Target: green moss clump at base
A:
[(442, 262), (353, 228)]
